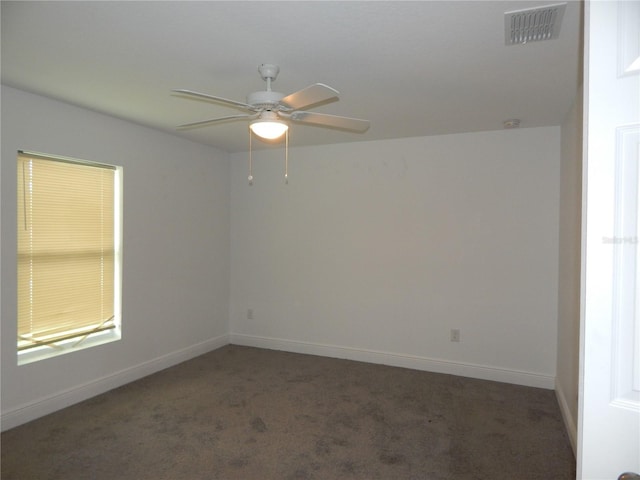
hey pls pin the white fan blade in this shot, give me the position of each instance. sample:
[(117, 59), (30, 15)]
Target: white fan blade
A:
[(211, 98), (335, 121), (204, 123), (311, 95)]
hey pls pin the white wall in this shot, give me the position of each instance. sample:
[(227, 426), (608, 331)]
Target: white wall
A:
[(375, 250), (176, 251), (569, 267)]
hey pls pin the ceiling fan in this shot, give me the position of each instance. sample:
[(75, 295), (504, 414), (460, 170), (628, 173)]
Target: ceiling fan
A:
[(269, 112)]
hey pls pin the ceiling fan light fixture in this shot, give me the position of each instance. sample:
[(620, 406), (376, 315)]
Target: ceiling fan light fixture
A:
[(269, 126), (269, 112)]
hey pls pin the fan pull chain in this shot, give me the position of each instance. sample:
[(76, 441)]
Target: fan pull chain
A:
[(250, 162), (286, 158)]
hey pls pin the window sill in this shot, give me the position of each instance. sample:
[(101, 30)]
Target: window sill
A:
[(41, 353)]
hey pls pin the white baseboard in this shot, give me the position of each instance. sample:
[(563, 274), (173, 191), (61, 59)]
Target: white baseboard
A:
[(399, 360), (44, 406), (567, 417)]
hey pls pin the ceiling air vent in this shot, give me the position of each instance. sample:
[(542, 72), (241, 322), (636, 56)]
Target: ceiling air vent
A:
[(533, 24)]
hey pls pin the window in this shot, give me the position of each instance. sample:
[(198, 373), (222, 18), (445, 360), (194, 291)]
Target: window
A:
[(69, 255)]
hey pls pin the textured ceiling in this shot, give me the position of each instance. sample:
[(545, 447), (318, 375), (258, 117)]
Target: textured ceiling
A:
[(411, 68)]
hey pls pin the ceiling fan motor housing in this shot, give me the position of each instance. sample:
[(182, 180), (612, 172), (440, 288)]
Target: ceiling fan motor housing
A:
[(264, 99)]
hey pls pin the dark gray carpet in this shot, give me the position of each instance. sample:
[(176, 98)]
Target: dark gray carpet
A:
[(246, 413)]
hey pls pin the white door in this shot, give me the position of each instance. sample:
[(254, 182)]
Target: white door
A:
[(609, 412)]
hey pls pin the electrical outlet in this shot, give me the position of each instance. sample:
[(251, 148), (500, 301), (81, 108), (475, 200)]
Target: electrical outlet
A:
[(455, 335), (250, 314)]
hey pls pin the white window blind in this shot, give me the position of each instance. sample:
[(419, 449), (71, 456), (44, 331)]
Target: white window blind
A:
[(66, 250)]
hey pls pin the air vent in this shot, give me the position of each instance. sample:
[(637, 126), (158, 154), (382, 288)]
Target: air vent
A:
[(533, 24)]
